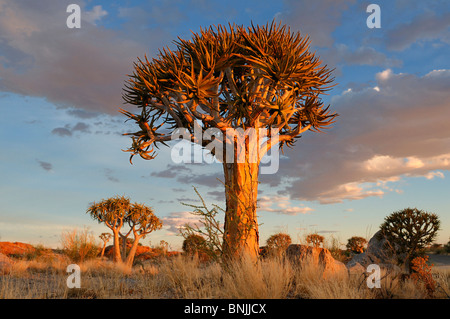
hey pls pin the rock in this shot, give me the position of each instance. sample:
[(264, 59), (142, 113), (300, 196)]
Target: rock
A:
[(5, 264), (16, 249), (320, 257), (378, 252), (356, 269)]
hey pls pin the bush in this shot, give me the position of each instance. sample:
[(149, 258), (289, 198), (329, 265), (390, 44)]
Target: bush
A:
[(421, 272), (79, 246), (194, 244), (210, 229)]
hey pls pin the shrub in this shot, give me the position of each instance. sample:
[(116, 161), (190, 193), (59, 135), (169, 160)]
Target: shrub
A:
[(79, 245), (421, 272), (194, 244), (210, 228)]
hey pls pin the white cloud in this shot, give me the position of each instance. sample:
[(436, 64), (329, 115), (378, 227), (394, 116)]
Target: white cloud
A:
[(384, 75), (281, 205), (432, 175), (177, 220)]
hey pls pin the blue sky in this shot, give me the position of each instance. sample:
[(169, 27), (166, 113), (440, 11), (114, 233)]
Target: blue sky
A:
[(60, 132)]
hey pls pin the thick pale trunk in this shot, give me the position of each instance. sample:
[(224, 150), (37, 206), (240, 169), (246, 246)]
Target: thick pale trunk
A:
[(116, 251), (241, 227), (130, 257)]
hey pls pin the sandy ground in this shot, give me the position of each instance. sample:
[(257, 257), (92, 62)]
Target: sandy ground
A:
[(440, 261)]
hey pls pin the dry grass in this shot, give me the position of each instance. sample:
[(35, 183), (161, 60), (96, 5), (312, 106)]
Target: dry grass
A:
[(187, 277)]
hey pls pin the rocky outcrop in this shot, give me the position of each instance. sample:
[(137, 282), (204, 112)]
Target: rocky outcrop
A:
[(320, 257), (15, 249)]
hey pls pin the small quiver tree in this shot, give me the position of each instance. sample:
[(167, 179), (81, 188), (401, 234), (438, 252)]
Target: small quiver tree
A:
[(118, 213), (105, 237), (315, 240), (408, 232), (113, 213), (356, 244), (142, 222), (278, 243)]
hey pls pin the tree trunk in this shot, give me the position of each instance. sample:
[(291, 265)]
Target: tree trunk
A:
[(116, 251), (103, 250), (130, 257), (241, 228), (124, 245)]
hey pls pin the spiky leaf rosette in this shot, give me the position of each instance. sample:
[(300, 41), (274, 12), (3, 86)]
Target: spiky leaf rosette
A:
[(229, 77)]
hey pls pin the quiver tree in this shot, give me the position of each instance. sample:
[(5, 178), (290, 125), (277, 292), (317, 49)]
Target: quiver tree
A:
[(315, 240), (142, 222), (278, 243), (409, 231), (105, 237), (356, 244), (260, 78), (112, 212), (118, 213)]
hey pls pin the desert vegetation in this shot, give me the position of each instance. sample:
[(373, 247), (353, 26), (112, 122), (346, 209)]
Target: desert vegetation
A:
[(185, 276), (38, 272)]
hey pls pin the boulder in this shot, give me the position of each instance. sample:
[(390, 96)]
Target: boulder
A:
[(320, 257), (379, 251), (5, 264)]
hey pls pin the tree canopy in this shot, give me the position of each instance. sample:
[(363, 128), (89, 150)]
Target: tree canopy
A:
[(259, 77)]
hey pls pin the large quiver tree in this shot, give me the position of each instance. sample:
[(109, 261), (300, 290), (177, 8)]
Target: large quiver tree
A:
[(231, 78)]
